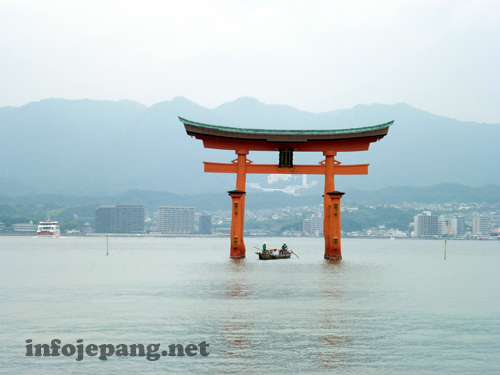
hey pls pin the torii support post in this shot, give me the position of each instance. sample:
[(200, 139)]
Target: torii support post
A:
[(329, 186), (237, 217), (238, 249), (333, 249)]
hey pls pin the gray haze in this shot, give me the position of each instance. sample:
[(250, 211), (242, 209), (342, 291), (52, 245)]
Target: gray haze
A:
[(317, 56)]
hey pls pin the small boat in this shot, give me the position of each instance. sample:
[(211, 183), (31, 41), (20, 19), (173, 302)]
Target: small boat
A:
[(267, 255), (263, 256)]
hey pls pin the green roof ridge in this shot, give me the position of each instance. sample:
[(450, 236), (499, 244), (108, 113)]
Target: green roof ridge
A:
[(286, 132)]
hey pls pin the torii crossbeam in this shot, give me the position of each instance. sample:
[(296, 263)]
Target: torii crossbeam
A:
[(242, 141)]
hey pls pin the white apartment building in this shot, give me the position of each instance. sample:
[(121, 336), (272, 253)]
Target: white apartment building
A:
[(458, 226), (313, 225), (426, 225), (480, 225), (442, 225), (25, 227), (176, 220)]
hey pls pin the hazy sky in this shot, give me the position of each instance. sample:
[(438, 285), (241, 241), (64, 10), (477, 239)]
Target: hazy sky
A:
[(439, 56)]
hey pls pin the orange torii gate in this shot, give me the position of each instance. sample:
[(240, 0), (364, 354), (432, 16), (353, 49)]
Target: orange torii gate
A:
[(242, 141)]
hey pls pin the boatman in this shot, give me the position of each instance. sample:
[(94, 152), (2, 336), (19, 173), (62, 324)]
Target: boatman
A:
[(284, 248), (264, 246)]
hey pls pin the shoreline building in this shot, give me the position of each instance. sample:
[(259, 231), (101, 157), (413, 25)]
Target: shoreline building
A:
[(313, 226), (427, 225), (458, 226), (176, 220), (25, 227), (480, 225), (442, 225), (205, 224), (121, 218)]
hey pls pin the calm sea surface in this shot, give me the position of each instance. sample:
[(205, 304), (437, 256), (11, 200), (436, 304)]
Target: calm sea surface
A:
[(388, 307)]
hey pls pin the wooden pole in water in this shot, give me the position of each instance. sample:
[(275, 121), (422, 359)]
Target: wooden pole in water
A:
[(107, 248), (444, 249)]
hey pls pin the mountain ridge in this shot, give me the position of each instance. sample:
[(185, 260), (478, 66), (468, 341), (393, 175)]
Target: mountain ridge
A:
[(437, 194), (105, 147)]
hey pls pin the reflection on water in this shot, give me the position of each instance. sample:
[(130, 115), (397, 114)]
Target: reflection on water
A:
[(234, 337), (237, 285), (237, 289), (332, 351), (389, 306), (331, 278), (332, 266), (234, 340)]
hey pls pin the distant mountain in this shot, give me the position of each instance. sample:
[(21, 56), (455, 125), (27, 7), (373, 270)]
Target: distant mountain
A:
[(87, 147), (441, 193)]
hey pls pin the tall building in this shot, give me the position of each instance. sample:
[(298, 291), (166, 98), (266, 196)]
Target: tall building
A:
[(176, 220), (205, 224), (426, 225), (313, 225), (442, 225), (121, 218), (458, 226), (480, 225)]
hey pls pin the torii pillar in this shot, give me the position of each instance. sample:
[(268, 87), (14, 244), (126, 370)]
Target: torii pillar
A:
[(331, 207), (238, 249), (241, 141), (333, 247)]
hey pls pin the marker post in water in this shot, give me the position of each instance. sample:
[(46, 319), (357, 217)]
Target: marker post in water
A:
[(107, 248), (444, 249)]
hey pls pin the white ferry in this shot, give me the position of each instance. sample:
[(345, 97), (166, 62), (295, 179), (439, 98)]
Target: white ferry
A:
[(48, 229)]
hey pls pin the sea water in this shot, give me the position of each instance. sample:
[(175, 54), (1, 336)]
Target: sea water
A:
[(388, 307)]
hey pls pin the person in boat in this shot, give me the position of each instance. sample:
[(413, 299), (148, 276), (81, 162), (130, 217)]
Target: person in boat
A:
[(275, 252), (284, 248), (264, 248)]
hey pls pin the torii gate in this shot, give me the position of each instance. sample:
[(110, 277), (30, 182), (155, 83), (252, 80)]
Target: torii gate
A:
[(242, 141)]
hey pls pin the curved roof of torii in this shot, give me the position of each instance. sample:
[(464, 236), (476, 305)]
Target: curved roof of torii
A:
[(224, 137)]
